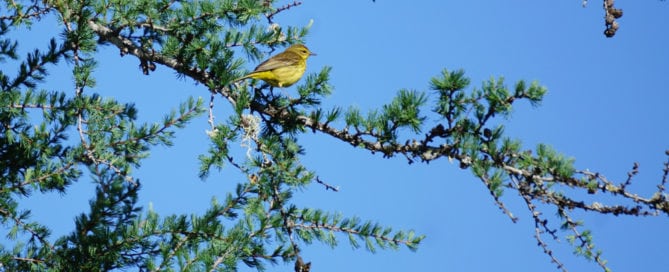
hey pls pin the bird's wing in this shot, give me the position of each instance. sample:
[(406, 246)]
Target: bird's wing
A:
[(281, 60)]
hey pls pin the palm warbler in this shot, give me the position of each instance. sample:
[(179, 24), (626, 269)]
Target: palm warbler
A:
[(284, 69)]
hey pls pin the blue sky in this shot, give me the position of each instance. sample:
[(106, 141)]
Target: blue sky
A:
[(606, 107)]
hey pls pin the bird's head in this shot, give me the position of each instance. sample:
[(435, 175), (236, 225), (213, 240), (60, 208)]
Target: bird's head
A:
[(300, 50)]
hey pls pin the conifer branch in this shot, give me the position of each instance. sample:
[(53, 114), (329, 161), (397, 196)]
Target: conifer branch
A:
[(202, 52), (128, 46), (280, 9), (541, 227), (426, 152), (41, 235), (34, 11), (327, 186), (363, 231)]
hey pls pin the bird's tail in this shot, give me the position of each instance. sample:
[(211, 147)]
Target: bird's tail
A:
[(249, 75)]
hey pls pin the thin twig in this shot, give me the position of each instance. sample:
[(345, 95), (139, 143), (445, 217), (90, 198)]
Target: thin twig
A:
[(211, 112), (327, 186), (280, 9)]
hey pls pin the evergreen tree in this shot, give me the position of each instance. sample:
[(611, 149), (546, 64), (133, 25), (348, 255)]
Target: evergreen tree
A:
[(51, 139)]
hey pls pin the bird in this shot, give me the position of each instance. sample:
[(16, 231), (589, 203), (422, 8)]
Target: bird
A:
[(283, 69)]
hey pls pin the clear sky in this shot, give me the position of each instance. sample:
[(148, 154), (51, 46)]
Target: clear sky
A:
[(606, 107)]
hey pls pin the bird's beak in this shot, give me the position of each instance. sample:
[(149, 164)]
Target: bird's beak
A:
[(312, 54)]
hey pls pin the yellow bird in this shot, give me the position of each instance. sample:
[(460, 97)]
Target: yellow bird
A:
[(284, 69)]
